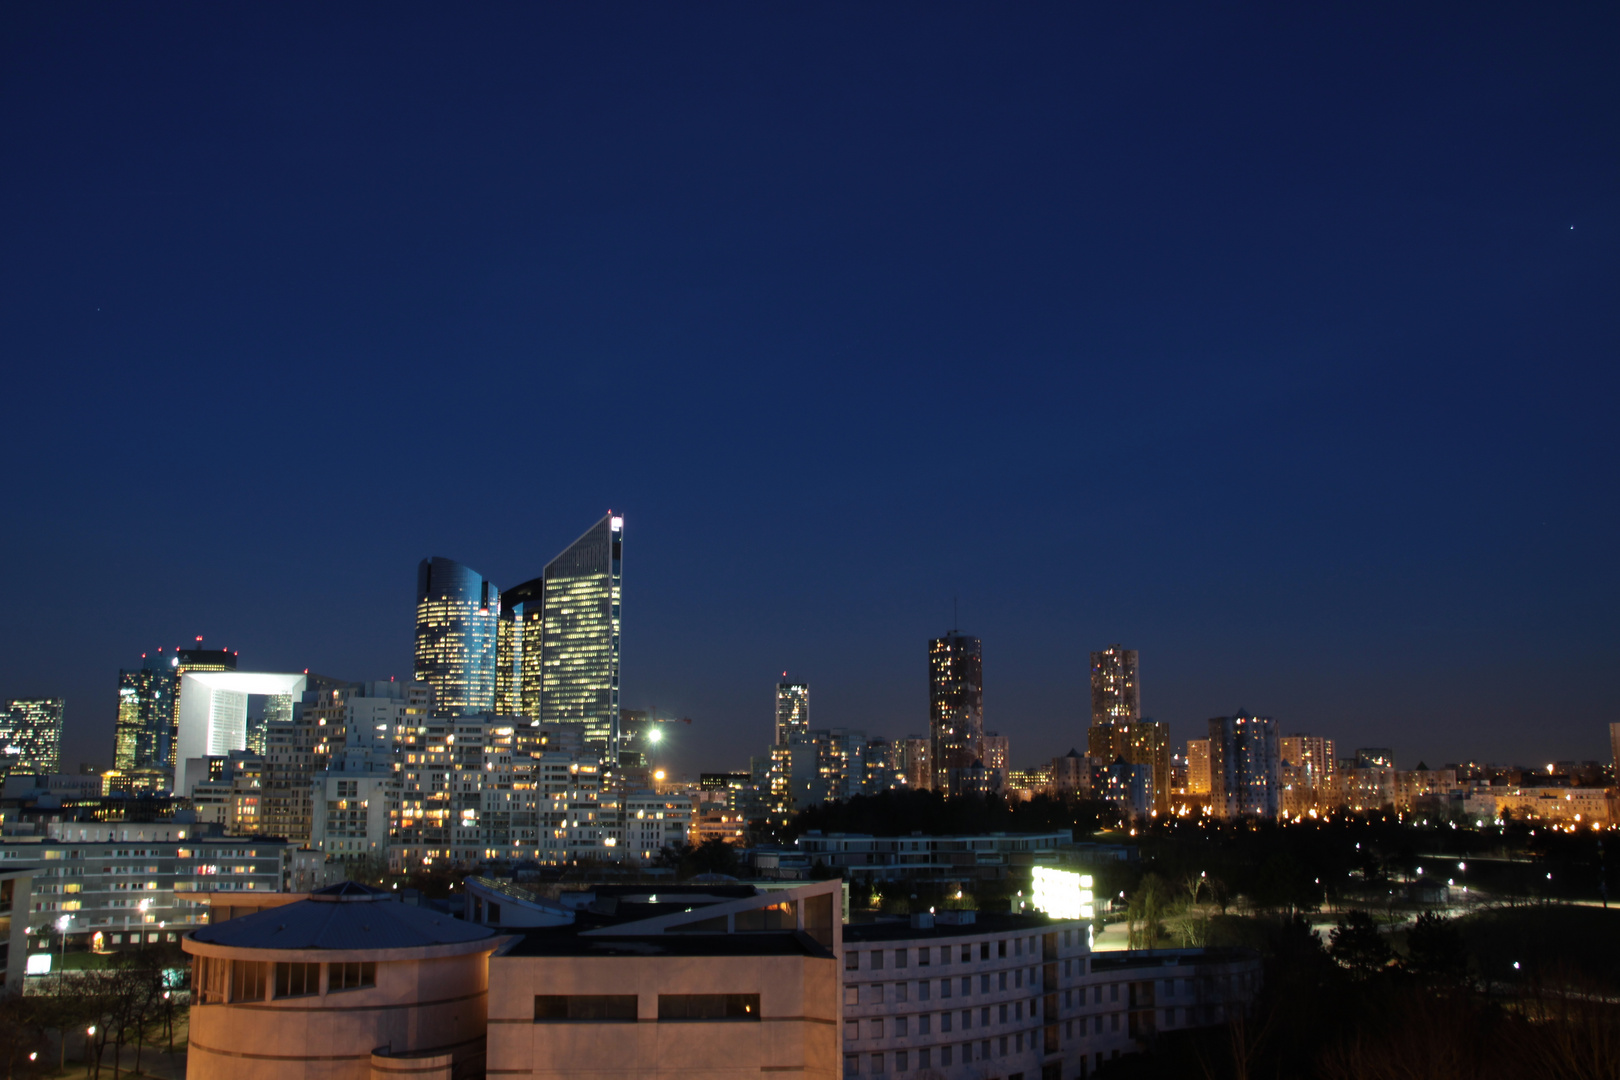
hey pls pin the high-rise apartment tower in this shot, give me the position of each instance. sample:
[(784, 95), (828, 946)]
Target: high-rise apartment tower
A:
[(955, 708), (31, 735)]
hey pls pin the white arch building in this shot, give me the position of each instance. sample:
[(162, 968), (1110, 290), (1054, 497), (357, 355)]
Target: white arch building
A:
[(213, 713)]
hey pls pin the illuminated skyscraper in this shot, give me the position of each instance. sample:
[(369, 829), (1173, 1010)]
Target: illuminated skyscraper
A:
[(193, 660), (144, 735), (457, 612), (31, 735), (792, 711), (955, 708), (518, 679), (1116, 700), (579, 663)]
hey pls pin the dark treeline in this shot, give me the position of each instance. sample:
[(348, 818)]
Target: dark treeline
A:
[(900, 813)]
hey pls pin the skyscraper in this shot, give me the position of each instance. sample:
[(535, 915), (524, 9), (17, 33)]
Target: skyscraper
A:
[(579, 663), (144, 735), (517, 680), (457, 612), (1116, 700), (31, 735), (1147, 742), (792, 710), (955, 708)]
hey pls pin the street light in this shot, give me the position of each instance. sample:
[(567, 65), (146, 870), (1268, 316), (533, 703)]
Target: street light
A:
[(62, 925)]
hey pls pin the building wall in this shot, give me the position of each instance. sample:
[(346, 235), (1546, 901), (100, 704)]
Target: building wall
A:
[(14, 908), (797, 1031), (423, 1002)]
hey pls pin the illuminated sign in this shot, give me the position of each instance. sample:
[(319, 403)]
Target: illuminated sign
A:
[(1062, 894)]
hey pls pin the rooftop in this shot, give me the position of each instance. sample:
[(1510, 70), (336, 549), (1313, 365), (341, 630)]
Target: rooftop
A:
[(343, 916), (900, 929)]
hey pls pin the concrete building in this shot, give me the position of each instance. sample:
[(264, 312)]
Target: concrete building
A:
[(345, 983), (121, 884), (15, 905), (955, 710), (31, 735), (1244, 767)]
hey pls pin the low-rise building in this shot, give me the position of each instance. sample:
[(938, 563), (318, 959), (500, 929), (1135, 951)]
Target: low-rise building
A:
[(985, 855)]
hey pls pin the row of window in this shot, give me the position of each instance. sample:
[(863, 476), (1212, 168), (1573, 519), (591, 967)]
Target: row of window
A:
[(924, 1023), (599, 1008), (901, 957), (900, 992), (944, 1057), (247, 980)]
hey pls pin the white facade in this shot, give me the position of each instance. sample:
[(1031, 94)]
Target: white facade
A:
[(213, 712)]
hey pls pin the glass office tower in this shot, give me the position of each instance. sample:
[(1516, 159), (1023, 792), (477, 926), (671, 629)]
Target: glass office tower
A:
[(198, 659), (144, 735), (31, 735), (955, 709), (517, 679), (579, 663), (457, 612)]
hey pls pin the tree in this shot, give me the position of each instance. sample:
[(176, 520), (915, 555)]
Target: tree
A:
[(1148, 906), (1436, 950), (1357, 944)]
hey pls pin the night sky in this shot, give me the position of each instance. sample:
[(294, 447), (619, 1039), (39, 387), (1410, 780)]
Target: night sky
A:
[(1279, 344)]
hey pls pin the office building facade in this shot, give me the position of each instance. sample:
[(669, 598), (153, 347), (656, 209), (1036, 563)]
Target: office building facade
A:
[(955, 709), (522, 626), (31, 735), (144, 735), (579, 666), (458, 612)]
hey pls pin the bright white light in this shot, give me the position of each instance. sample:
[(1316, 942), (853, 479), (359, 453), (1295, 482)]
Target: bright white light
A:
[(39, 964), (1062, 894), (655, 735), (617, 524)]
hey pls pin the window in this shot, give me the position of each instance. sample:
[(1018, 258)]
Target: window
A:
[(350, 976), (584, 1008), (1113, 991), (924, 1022), (1001, 1049), (900, 1031), (247, 980), (706, 1007), (984, 950), (1001, 980), (1001, 947), (877, 1064), (1096, 995), (944, 954), (922, 1058), (900, 958), (852, 1064), (922, 956), (852, 995), (297, 980), (984, 984), (852, 961), (945, 1057), (922, 990), (901, 1061), (1018, 978), (984, 1016), (944, 1023), (899, 991), (967, 1019), (967, 954), (874, 1028), (967, 986), (944, 988), (1001, 1015), (208, 978), (877, 959), (1018, 947)]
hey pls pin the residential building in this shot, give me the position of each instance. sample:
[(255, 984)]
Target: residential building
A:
[(580, 640), (1147, 743), (15, 904), (916, 762), (1375, 757), (458, 613), (1198, 780), (955, 709), (1244, 767), (792, 711), (1306, 774), (990, 855), (121, 884), (1116, 702), (31, 735), (996, 753)]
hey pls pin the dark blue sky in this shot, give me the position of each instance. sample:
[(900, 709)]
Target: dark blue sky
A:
[(1278, 344)]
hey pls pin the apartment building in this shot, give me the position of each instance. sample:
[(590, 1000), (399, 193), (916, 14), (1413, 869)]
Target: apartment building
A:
[(121, 884), (988, 855)]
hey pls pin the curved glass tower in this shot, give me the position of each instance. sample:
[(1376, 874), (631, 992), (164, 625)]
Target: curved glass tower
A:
[(457, 612)]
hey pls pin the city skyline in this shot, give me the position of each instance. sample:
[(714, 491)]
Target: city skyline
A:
[(1312, 311)]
